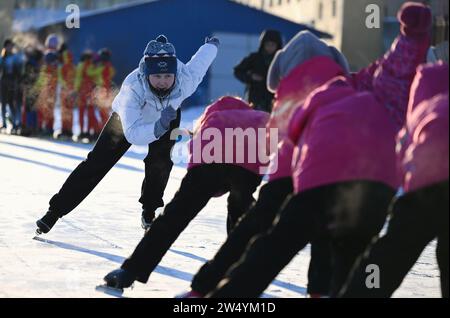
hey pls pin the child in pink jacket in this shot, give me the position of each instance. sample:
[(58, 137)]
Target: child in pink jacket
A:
[(421, 213), (213, 170)]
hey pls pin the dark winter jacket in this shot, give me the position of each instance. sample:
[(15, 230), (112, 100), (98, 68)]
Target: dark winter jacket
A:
[(258, 63), (9, 69)]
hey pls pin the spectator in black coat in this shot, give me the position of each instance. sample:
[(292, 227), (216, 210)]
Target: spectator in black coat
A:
[(253, 69)]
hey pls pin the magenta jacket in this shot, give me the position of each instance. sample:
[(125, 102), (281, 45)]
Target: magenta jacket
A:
[(342, 135), (423, 152), (388, 79), (230, 113)]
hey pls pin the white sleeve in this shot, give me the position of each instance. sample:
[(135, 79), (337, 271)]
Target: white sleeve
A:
[(197, 67), (127, 105)]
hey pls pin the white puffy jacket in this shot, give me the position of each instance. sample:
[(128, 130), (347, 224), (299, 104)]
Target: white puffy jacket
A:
[(139, 109)]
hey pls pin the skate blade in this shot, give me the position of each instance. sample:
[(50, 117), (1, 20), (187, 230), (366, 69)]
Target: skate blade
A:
[(117, 292), (40, 239)]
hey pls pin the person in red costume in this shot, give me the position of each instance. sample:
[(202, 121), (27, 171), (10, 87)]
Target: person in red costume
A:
[(46, 86), (84, 87), (103, 72), (66, 74)]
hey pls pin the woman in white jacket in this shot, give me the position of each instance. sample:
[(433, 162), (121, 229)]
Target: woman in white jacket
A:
[(145, 111)]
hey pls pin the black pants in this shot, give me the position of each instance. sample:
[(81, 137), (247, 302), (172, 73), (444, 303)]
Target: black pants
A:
[(8, 97), (350, 213), (199, 185), (111, 145), (320, 266), (257, 220), (417, 218)]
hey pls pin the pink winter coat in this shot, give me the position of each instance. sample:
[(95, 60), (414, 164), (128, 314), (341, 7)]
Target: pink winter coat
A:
[(291, 93), (342, 135), (389, 79), (423, 143), (230, 113)]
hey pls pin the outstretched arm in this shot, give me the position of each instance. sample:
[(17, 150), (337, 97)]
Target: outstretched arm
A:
[(193, 72), (390, 77)]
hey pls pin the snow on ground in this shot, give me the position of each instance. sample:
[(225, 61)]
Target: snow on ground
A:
[(97, 236)]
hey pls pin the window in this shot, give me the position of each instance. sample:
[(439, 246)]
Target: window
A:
[(263, 4), (320, 13)]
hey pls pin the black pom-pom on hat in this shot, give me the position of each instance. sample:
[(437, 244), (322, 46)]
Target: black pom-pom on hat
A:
[(162, 39), (159, 47)]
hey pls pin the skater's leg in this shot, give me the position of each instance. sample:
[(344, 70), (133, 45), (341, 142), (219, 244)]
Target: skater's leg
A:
[(18, 102), (92, 119), (11, 100), (67, 114), (412, 226), (358, 216), (443, 240), (109, 148), (298, 223), (51, 113), (197, 187), (40, 117), (47, 116), (4, 103), (8, 99), (158, 165), (242, 185), (257, 220), (24, 110), (81, 112), (320, 267), (33, 120)]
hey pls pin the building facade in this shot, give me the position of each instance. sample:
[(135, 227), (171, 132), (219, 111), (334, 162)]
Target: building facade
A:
[(346, 21), (6, 13), (61, 4)]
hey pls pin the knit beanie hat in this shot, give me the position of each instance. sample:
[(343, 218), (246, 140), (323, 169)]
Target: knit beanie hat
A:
[(304, 46), (159, 57)]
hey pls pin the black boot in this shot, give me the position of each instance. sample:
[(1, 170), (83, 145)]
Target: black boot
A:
[(147, 218), (83, 137), (119, 279), (47, 222)]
